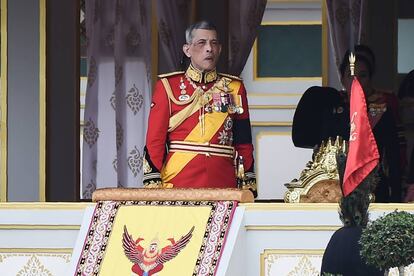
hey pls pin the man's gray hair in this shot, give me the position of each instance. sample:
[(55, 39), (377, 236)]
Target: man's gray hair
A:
[(205, 25)]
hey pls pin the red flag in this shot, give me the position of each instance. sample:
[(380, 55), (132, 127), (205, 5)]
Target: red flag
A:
[(363, 154)]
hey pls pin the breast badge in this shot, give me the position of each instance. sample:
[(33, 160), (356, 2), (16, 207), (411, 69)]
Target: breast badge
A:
[(184, 96)]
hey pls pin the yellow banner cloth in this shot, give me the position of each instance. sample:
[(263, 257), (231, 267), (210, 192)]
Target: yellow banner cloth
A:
[(156, 224)]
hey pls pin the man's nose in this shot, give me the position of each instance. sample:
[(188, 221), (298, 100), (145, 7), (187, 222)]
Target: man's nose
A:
[(208, 47)]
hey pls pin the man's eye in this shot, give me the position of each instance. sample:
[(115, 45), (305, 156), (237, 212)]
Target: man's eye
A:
[(201, 43)]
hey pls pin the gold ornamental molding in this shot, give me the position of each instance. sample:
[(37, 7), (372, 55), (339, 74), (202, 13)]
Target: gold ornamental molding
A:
[(271, 124), (292, 227), (273, 94), (42, 100), (38, 227), (154, 42), (378, 207), (45, 206), (277, 79), (391, 207), (3, 103), (37, 250), (290, 206), (325, 47), (260, 135), (324, 44), (289, 22), (272, 133), (291, 79), (272, 106), (269, 252)]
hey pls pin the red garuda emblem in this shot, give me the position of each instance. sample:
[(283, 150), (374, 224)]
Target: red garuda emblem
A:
[(150, 260)]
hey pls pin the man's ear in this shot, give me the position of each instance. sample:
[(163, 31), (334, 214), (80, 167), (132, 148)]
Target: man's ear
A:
[(186, 50)]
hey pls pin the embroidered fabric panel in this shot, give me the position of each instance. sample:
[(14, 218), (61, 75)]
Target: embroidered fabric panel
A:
[(101, 226), (214, 236)]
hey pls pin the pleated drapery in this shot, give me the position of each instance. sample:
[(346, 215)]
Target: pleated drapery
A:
[(347, 25), (118, 93)]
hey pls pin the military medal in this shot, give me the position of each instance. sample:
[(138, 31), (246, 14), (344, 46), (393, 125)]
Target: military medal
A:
[(231, 106), (182, 87), (239, 108), (224, 101), (208, 108), (216, 102), (184, 96), (228, 124)]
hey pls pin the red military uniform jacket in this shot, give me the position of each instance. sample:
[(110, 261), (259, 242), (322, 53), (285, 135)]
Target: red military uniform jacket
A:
[(198, 126)]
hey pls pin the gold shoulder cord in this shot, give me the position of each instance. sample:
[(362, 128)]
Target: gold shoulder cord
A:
[(171, 95), (170, 74), (193, 105)]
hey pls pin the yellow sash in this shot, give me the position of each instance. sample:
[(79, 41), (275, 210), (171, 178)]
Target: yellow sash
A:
[(213, 122)]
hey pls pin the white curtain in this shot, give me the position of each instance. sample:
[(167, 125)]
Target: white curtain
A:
[(118, 93), (347, 24)]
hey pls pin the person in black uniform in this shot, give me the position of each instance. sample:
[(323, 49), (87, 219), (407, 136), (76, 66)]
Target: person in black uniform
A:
[(384, 129), (342, 255), (323, 112)]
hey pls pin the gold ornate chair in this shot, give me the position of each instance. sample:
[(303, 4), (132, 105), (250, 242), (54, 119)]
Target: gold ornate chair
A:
[(319, 181)]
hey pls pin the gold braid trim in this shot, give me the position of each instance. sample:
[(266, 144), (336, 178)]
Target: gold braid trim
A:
[(196, 102), (178, 118), (194, 105), (230, 76), (171, 95), (201, 77), (170, 74)]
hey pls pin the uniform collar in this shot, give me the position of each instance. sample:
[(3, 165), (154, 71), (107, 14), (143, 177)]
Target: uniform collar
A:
[(201, 77)]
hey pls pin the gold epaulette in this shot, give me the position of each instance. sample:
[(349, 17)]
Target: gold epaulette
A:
[(230, 76), (170, 74)]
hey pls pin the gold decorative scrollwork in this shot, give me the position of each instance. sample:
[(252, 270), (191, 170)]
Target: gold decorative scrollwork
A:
[(319, 180)]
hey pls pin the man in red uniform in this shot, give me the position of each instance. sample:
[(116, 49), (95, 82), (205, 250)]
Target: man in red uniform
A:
[(199, 133)]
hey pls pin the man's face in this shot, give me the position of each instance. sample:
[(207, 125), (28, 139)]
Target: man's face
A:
[(204, 50)]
